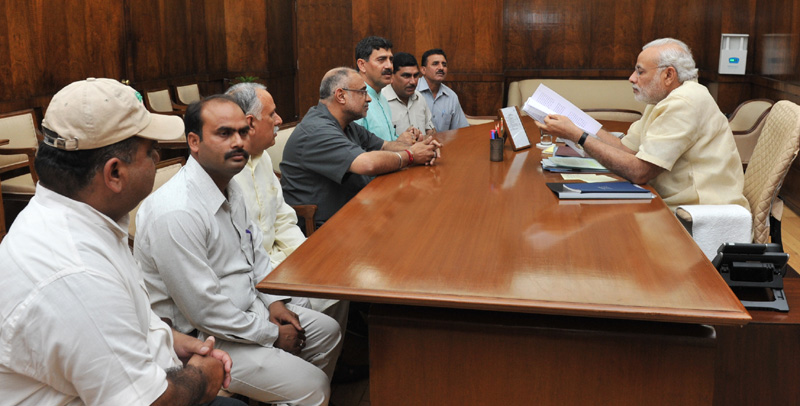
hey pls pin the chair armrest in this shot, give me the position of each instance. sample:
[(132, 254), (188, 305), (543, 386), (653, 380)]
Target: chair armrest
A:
[(712, 225), (31, 152), (307, 212)]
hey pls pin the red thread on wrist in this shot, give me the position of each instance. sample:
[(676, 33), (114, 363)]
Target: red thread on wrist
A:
[(410, 157)]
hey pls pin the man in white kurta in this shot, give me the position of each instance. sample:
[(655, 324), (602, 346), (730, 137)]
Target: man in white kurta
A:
[(202, 257), (262, 190), (682, 145)]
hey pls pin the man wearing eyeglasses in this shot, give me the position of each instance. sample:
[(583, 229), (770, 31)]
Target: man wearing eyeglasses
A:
[(682, 145), (409, 109), (329, 158)]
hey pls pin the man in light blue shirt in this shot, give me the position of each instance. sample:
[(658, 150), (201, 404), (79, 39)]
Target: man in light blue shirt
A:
[(443, 101), (374, 62)]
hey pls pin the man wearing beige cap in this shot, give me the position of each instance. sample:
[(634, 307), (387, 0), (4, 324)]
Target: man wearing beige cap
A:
[(76, 323)]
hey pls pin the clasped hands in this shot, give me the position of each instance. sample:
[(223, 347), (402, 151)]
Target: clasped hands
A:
[(291, 335), (424, 149)]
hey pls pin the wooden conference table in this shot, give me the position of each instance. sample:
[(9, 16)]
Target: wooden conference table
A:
[(489, 290)]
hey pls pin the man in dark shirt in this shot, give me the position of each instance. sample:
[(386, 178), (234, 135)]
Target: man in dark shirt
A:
[(329, 159)]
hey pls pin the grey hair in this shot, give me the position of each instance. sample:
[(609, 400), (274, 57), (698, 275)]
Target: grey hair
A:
[(678, 55), (335, 79), (244, 94)]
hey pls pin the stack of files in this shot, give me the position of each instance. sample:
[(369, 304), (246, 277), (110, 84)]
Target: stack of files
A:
[(604, 190), (572, 164)]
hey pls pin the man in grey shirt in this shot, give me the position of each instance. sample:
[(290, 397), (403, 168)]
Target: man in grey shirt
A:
[(443, 101), (329, 158)]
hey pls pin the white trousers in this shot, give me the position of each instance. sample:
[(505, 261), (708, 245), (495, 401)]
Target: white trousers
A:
[(269, 374)]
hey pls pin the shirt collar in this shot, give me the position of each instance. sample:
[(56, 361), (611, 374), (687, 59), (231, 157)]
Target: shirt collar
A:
[(213, 198), (84, 211), (423, 85), (372, 92)]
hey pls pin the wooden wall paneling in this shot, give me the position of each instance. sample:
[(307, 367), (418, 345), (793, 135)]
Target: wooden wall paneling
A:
[(472, 38), (24, 35), (324, 27), (246, 35), (144, 35), (214, 31), (776, 39), (43, 47), (282, 60), (479, 98), (371, 18)]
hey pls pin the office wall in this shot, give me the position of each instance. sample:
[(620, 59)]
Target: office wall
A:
[(47, 44), (490, 43)]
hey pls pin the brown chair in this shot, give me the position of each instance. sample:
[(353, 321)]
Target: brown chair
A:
[(17, 157), (774, 153), (188, 94), (165, 170), (307, 212), (159, 101), (747, 122)]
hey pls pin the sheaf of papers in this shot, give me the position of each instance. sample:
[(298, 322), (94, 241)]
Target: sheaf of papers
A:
[(588, 178), (545, 101), (573, 162)]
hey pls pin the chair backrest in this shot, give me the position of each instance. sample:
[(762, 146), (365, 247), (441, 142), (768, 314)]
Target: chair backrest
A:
[(276, 151), (749, 113), (188, 94), (2, 216), (21, 130), (623, 115), (159, 101), (165, 170), (478, 120), (747, 122), (776, 149)]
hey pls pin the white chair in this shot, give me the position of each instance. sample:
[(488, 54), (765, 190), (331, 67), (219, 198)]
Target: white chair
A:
[(774, 153), (22, 131), (188, 94), (747, 122), (165, 170), (159, 101), (276, 151)]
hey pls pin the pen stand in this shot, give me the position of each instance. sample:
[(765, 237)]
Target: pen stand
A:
[(496, 150)]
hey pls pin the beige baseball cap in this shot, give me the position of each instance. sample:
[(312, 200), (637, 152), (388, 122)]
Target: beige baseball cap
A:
[(95, 113)]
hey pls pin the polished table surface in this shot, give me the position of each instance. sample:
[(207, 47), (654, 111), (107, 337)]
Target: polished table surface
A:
[(473, 234)]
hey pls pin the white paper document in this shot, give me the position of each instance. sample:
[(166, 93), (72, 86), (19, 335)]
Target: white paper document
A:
[(545, 101)]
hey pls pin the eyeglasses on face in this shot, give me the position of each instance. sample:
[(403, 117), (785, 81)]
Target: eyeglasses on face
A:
[(362, 91)]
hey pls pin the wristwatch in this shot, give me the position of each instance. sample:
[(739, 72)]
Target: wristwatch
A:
[(584, 136)]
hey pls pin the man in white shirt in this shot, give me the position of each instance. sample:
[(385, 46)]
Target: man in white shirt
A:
[(262, 190), (76, 324), (409, 109), (202, 257), (682, 145)]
